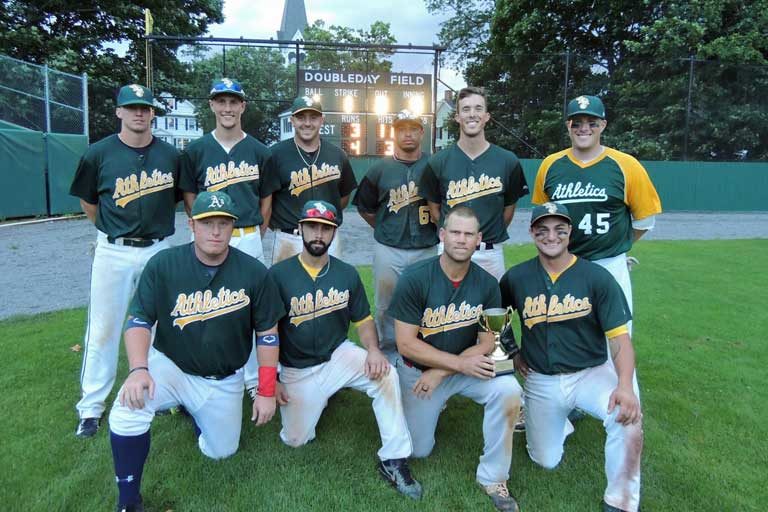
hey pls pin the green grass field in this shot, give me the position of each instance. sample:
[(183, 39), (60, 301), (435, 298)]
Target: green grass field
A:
[(701, 351)]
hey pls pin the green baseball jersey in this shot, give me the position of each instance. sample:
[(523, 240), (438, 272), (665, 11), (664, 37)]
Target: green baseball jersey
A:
[(487, 184), (297, 177), (603, 196), (447, 316), (205, 323), (564, 319), (205, 165), (319, 310), (390, 189), (135, 190)]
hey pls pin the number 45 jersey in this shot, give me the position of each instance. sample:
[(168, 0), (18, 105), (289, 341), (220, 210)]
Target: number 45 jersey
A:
[(603, 196)]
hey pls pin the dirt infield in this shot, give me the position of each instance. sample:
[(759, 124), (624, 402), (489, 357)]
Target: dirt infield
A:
[(46, 265)]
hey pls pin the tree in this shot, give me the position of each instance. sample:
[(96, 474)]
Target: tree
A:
[(78, 40), (533, 57), (352, 59)]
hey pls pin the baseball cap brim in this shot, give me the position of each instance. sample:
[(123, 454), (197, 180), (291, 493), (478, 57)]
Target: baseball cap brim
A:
[(415, 122), (320, 220), (205, 215), (547, 214), (313, 109)]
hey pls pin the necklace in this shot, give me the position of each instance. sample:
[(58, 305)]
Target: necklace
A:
[(301, 155)]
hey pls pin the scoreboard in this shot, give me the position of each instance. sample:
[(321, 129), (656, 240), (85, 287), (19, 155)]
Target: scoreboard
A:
[(359, 107)]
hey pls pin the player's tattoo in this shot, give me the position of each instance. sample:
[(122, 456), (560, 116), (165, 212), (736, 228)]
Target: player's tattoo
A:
[(615, 347)]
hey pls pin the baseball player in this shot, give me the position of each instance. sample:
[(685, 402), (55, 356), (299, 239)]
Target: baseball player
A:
[(388, 199), (305, 167), (478, 174), (608, 193), (436, 307), (229, 159), (323, 295), (567, 307), (127, 187), (206, 299)]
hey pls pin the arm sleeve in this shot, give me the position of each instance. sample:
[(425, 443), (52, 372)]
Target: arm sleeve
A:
[(348, 182), (505, 288), (429, 185), (539, 196), (85, 184), (266, 185), (611, 306), (494, 296), (359, 307), (187, 174), (516, 186), (144, 302), (642, 198), (267, 308), (367, 196), (407, 304)]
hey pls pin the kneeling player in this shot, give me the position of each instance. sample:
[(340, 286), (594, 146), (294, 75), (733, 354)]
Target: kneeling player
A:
[(206, 299), (436, 307), (322, 295), (567, 307)]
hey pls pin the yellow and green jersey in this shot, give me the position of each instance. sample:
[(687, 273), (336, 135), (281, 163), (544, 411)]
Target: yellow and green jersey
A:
[(602, 195)]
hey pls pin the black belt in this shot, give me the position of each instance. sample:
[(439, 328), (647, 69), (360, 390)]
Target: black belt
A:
[(413, 364), (218, 377), (133, 242), (485, 245), (290, 231)]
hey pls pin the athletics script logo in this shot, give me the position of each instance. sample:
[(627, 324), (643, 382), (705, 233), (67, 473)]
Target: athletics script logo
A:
[(223, 175), (403, 196), (578, 193), (448, 318), (308, 306), (201, 306), (467, 189), (135, 186), (537, 310), (306, 178)]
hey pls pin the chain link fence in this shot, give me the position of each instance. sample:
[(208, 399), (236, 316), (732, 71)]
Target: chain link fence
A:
[(43, 99), (683, 109)]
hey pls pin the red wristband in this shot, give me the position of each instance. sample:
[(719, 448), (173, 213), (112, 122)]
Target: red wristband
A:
[(267, 381)]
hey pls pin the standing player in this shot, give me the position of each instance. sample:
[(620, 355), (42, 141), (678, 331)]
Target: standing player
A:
[(229, 159), (304, 168), (477, 174), (127, 187), (206, 300), (436, 307), (608, 193), (567, 307), (323, 295), (388, 199)]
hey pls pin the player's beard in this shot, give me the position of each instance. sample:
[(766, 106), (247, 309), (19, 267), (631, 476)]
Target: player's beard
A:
[(315, 248)]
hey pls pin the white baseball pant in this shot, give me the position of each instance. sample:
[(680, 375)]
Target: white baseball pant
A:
[(549, 399), (114, 275), (215, 405), (310, 388), (500, 398), (617, 266)]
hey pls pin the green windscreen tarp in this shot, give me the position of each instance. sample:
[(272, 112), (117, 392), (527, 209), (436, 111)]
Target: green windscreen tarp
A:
[(22, 167), (64, 152)]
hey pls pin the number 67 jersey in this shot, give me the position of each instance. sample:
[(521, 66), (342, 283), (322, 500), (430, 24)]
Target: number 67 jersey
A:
[(603, 196)]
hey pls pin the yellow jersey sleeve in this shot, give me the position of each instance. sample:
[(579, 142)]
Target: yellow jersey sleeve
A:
[(639, 193), (539, 196), (618, 331), (360, 322)]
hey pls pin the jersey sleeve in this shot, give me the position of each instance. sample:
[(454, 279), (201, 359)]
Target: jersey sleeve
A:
[(610, 304), (493, 299), (505, 289), (539, 196), (144, 302), (348, 182), (359, 308), (270, 182), (367, 196), (187, 173), (429, 185), (642, 198), (407, 301), (516, 186), (267, 307), (85, 184)]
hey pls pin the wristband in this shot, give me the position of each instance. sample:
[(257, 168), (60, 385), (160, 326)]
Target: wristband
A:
[(267, 381), (137, 369), (268, 340)]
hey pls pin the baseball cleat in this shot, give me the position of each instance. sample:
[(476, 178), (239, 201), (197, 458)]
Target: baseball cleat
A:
[(500, 497), (397, 473), (87, 427), (133, 507)]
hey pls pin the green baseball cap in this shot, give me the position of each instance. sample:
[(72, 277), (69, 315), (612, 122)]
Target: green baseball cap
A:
[(550, 210), (406, 117), (135, 94), (226, 86), (212, 204), (306, 103), (585, 105), (320, 211)]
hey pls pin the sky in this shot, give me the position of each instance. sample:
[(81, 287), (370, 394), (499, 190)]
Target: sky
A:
[(409, 23)]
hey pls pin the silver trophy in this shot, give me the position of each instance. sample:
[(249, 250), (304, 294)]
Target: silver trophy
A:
[(496, 320)]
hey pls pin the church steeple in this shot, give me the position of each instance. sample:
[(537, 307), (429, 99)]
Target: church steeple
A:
[(294, 20)]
